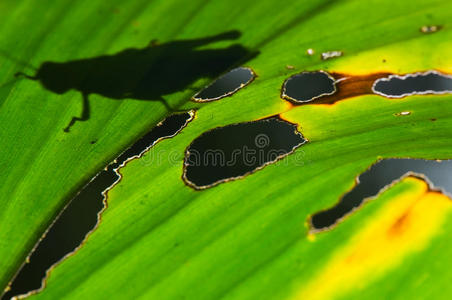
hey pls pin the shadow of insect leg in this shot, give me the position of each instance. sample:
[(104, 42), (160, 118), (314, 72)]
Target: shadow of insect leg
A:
[(85, 113), (163, 101)]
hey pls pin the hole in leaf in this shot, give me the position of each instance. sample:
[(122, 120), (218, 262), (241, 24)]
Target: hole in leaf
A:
[(231, 152), (430, 28), (81, 215), (346, 86), (226, 85), (308, 86), (378, 177), (398, 86), (331, 54), (402, 113)]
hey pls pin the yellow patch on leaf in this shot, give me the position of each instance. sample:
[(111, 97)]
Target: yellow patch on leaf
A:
[(396, 59), (404, 225)]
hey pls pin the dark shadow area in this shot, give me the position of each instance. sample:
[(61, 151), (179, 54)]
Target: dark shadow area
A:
[(228, 152), (142, 74), (379, 176), (80, 216)]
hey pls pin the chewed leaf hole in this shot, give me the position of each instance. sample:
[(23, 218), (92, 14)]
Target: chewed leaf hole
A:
[(398, 86), (402, 113), (308, 86), (231, 152), (430, 28), (331, 54), (82, 215), (226, 85), (379, 177)]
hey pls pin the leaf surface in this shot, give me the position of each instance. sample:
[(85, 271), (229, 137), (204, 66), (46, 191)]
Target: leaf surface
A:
[(246, 238)]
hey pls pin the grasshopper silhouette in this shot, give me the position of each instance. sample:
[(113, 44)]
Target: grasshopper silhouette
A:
[(142, 74)]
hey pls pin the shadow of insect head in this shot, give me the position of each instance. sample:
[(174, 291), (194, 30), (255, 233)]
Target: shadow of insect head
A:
[(142, 74)]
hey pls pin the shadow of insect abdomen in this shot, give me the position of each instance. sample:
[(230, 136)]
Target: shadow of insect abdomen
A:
[(142, 74)]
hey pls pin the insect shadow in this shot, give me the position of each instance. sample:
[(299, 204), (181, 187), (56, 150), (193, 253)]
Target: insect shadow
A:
[(142, 74)]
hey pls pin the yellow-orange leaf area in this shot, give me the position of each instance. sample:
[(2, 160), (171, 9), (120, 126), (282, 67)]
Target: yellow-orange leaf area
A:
[(408, 221)]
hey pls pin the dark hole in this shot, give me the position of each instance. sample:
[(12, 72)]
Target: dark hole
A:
[(397, 86), (168, 127), (430, 28), (229, 152), (226, 85), (307, 86), (379, 176), (147, 74), (80, 216)]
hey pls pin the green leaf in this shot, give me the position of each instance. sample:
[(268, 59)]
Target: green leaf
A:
[(246, 238)]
